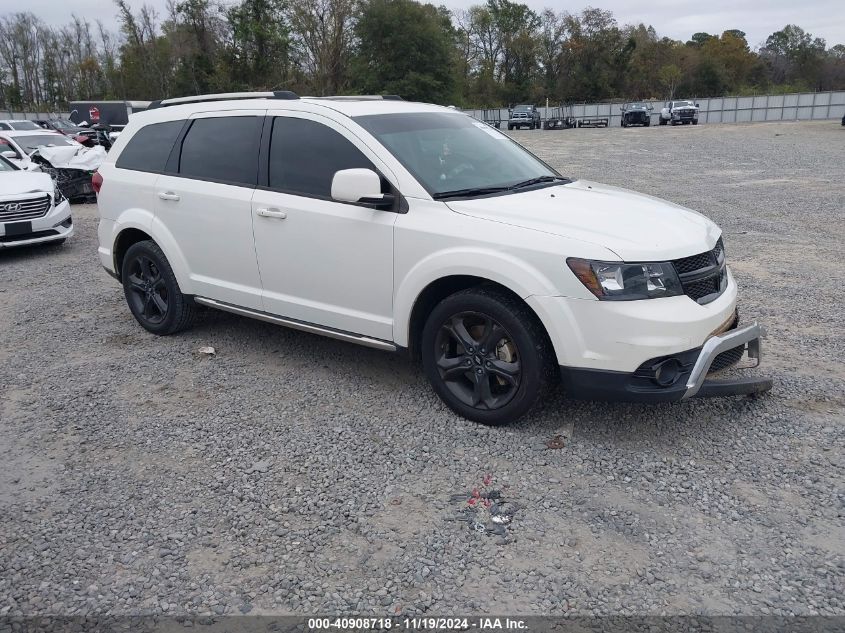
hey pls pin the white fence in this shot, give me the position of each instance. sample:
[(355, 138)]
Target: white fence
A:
[(8, 114), (792, 107)]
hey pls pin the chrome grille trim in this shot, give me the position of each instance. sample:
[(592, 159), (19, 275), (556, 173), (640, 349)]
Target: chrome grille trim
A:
[(27, 209)]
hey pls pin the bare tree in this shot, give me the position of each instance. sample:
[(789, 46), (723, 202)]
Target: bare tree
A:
[(323, 31)]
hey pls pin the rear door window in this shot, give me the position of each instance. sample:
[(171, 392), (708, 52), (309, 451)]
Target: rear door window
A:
[(149, 148), (222, 149)]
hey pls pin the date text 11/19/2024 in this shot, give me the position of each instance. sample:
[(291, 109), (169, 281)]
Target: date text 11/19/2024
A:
[(417, 624)]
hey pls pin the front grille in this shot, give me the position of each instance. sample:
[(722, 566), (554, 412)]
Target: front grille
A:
[(691, 264), (29, 209), (703, 276), (727, 359)]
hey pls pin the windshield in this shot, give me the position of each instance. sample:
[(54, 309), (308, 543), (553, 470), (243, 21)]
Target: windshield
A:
[(682, 103), (634, 106), (522, 108), (23, 125), (32, 143), (448, 152)]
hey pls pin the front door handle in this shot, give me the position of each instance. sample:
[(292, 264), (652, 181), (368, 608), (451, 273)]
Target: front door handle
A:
[(168, 195), (271, 213)]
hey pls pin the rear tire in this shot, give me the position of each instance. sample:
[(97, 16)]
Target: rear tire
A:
[(152, 292), (662, 121), (486, 355)]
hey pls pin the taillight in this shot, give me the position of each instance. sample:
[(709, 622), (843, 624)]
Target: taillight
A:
[(96, 182)]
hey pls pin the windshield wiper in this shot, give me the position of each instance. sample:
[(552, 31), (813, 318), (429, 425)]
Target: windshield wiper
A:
[(476, 191), (481, 191), (536, 181)]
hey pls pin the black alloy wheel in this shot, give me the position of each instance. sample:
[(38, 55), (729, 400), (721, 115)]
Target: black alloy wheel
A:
[(152, 291), (487, 355), (478, 360), (147, 296)]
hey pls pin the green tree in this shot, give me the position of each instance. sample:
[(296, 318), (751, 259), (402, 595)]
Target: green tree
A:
[(421, 40), (259, 54)]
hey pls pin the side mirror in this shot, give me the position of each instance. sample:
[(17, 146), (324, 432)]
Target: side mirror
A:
[(9, 154), (360, 186), (697, 106)]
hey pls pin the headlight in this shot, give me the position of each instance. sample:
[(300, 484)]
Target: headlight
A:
[(617, 281), (57, 195)]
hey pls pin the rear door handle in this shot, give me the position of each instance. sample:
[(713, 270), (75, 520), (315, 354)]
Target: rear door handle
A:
[(271, 213), (168, 195)]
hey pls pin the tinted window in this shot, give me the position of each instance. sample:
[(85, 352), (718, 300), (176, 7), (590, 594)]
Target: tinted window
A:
[(304, 156), (149, 148), (223, 149)]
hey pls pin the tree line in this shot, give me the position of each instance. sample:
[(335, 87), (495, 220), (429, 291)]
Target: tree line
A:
[(492, 53)]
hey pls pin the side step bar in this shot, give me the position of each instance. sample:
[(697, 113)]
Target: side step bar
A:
[(298, 325)]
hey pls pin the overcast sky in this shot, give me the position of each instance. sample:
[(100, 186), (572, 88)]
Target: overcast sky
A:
[(677, 19)]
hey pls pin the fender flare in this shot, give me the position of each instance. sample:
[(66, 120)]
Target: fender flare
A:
[(145, 221), (502, 268)]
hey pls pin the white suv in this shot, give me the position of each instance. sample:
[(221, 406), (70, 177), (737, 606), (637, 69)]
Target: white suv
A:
[(412, 227)]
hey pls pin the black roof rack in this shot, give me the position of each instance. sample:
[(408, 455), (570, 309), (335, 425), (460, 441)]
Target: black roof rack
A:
[(360, 98), (224, 96)]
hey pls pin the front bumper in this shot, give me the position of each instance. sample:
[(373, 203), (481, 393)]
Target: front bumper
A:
[(56, 225), (679, 376)]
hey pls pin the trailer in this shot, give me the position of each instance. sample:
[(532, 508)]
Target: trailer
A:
[(492, 117), (114, 114), (593, 121), (559, 118)]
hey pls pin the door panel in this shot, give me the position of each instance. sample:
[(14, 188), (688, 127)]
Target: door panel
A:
[(212, 221), (324, 262)]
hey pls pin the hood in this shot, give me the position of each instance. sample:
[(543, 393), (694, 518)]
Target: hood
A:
[(635, 226), (76, 157), (13, 183)]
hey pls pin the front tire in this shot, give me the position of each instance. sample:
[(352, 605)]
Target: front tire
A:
[(152, 292), (662, 121), (486, 355)]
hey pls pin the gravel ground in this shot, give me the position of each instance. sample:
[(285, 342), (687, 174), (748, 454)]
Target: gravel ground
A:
[(295, 474)]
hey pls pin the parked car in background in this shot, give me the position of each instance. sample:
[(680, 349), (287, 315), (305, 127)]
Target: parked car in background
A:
[(636, 113), (17, 124), (17, 146), (68, 162), (32, 209), (679, 112), (68, 128), (524, 115), (415, 228)]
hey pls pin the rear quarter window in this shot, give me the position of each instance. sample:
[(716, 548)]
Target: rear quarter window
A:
[(150, 147)]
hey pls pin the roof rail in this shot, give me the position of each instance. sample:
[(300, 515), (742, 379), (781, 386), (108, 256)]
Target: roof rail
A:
[(224, 96), (361, 98)]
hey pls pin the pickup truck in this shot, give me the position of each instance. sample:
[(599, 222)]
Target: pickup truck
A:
[(676, 112), (524, 115)]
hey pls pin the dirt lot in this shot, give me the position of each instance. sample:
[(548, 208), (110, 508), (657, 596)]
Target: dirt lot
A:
[(295, 474)]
